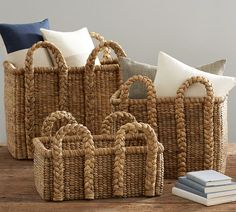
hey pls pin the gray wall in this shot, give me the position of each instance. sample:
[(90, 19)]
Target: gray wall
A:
[(194, 31)]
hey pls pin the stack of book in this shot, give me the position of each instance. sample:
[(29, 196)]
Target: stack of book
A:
[(206, 187)]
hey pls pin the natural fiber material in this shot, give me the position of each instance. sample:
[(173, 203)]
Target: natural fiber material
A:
[(31, 94), (191, 129), (82, 166)]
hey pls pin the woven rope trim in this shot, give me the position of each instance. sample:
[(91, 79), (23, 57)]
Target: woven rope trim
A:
[(52, 118), (113, 117), (151, 97), (152, 149), (29, 87), (90, 78), (58, 170), (181, 127)]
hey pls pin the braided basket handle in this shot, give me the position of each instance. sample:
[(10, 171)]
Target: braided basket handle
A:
[(153, 148), (106, 50), (113, 117), (29, 88), (89, 67), (59, 59), (208, 124), (90, 78), (151, 97), (57, 152), (52, 118)]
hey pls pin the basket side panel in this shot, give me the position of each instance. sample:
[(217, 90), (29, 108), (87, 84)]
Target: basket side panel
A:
[(14, 111), (40, 173)]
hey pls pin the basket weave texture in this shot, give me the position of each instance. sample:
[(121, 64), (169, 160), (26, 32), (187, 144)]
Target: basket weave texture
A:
[(191, 129), (73, 164), (32, 93)]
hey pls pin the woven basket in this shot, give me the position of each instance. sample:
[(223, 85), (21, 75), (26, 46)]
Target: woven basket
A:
[(82, 166), (32, 93), (190, 129)]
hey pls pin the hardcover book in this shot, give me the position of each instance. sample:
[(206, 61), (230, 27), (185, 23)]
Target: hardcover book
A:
[(184, 180), (209, 178), (196, 198), (205, 195)]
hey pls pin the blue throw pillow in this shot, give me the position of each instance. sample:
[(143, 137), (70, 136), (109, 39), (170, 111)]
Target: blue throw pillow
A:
[(18, 38)]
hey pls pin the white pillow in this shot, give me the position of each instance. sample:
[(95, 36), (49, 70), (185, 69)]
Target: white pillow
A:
[(17, 58), (75, 46), (172, 73)]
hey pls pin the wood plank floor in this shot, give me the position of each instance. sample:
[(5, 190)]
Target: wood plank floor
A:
[(17, 193)]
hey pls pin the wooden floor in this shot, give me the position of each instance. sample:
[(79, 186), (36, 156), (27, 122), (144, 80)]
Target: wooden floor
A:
[(17, 193)]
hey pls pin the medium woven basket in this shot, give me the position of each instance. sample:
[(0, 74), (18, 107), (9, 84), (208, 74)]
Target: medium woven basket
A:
[(192, 130), (85, 166), (32, 93)]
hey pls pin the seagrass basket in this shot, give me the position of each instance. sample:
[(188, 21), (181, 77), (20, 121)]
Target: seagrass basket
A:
[(192, 130), (73, 164), (32, 93)]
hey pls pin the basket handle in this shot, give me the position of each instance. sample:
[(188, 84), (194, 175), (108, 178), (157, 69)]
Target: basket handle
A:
[(151, 97), (113, 117), (52, 118), (106, 50), (208, 124), (153, 148), (57, 152), (90, 78), (29, 87)]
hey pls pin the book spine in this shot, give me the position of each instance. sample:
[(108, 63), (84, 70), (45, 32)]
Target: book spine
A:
[(192, 184), (190, 189)]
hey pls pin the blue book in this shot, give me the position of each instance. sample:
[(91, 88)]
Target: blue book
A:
[(184, 180), (209, 178), (205, 195)]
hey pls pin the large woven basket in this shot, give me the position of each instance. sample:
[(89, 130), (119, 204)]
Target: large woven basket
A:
[(82, 166), (192, 130), (32, 93)]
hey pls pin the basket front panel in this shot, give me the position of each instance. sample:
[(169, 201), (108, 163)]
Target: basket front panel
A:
[(107, 81), (76, 92), (166, 126), (46, 92), (194, 124), (134, 172), (194, 119), (134, 178)]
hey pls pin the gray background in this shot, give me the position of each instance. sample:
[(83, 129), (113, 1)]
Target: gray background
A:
[(194, 31)]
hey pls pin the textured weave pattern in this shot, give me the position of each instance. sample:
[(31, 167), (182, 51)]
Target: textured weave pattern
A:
[(82, 166), (191, 129), (32, 93)]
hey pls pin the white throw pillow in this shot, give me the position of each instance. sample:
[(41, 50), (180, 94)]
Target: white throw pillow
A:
[(172, 73), (41, 57), (75, 46)]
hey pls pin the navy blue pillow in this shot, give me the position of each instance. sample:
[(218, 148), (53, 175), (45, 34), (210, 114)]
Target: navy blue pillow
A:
[(22, 36)]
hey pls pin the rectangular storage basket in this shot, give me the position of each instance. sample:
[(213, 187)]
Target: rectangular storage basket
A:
[(32, 93), (193, 131), (85, 166)]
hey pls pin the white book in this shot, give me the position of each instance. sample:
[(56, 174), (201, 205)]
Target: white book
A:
[(202, 200), (209, 178)]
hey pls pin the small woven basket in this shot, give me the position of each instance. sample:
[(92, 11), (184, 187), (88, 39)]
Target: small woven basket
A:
[(85, 166), (32, 93), (192, 130)]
